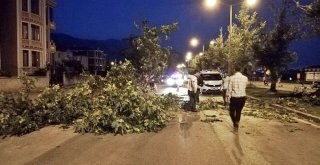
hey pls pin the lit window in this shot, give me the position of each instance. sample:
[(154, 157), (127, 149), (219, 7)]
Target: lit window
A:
[(25, 5), (35, 7), (35, 32), (25, 30), (25, 60), (35, 59)]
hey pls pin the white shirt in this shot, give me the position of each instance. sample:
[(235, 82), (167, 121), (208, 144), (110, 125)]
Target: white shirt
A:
[(225, 82), (237, 85), (192, 83)]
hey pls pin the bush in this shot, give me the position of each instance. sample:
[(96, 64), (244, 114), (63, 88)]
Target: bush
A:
[(120, 105), (17, 115), (4, 73), (112, 104), (39, 72)]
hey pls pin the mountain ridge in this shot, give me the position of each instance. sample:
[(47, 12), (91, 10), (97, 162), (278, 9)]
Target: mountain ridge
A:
[(112, 47)]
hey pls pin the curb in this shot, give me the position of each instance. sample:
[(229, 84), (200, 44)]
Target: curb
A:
[(305, 115)]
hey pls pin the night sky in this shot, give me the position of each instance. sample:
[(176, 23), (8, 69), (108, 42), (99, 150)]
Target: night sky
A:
[(106, 19)]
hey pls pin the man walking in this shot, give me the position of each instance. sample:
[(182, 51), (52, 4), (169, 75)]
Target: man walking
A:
[(192, 92), (237, 93), (199, 84), (224, 87)]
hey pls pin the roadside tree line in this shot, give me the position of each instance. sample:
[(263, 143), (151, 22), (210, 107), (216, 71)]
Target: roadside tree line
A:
[(255, 43)]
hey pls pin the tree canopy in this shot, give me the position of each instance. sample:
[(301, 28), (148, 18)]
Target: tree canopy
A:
[(272, 51), (148, 56)]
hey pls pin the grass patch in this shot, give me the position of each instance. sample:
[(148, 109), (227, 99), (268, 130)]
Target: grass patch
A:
[(285, 98)]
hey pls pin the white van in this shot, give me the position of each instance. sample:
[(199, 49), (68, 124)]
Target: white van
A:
[(212, 81)]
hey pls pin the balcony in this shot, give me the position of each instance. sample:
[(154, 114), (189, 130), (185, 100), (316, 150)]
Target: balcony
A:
[(52, 25), (51, 3), (52, 47), (36, 44)]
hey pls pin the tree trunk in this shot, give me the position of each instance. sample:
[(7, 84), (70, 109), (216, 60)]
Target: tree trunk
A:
[(273, 87)]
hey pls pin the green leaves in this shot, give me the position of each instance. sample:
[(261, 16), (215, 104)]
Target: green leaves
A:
[(149, 57), (208, 104), (116, 104)]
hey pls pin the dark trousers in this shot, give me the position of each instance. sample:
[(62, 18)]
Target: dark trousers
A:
[(192, 100), (198, 95), (224, 97), (235, 108)]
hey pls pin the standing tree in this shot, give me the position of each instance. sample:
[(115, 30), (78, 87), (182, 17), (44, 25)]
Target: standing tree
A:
[(243, 38), (216, 55), (311, 15), (272, 50), (150, 57)]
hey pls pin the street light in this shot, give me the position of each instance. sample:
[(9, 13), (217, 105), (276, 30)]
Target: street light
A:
[(188, 58), (211, 4), (194, 42)]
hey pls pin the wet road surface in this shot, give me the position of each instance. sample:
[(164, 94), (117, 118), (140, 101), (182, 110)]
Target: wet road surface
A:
[(186, 140)]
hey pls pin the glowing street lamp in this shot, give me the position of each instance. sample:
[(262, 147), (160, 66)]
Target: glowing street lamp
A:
[(251, 2), (194, 42), (211, 4)]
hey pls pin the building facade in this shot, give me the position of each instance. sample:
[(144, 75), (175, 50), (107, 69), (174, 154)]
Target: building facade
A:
[(312, 73), (25, 42), (96, 59)]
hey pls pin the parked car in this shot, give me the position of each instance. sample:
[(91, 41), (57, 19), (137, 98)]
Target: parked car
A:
[(212, 81)]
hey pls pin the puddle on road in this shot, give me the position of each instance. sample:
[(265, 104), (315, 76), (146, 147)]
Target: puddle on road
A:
[(185, 122)]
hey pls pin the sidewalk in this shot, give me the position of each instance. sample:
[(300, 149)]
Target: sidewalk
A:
[(282, 86)]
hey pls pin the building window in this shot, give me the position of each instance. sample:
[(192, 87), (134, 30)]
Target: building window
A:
[(35, 7), (35, 59), (25, 30), (35, 32), (25, 57), (91, 61), (51, 14), (25, 5)]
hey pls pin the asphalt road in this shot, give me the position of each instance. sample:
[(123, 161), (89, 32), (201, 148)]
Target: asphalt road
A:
[(186, 141), (191, 142)]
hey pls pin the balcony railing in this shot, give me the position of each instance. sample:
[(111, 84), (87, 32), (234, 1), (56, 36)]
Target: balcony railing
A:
[(52, 25), (37, 44), (53, 47)]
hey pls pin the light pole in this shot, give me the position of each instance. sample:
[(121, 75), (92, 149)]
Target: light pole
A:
[(211, 4), (194, 42), (230, 38), (188, 58)]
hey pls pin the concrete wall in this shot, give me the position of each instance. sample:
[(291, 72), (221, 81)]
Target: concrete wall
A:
[(14, 84)]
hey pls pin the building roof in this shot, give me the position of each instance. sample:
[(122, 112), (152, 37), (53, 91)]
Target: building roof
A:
[(313, 68)]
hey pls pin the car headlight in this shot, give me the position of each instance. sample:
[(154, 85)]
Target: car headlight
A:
[(170, 81)]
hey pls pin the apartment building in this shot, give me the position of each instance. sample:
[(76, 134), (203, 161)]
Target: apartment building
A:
[(25, 42), (96, 59)]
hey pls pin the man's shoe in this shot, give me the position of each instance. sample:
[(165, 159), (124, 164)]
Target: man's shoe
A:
[(236, 127)]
